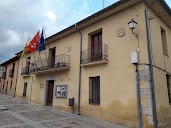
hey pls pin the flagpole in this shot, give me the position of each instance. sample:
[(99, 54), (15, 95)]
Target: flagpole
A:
[(45, 42), (40, 60), (35, 60), (46, 54), (39, 53)]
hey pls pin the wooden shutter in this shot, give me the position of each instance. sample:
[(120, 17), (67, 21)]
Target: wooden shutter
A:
[(90, 90), (98, 89), (100, 46)]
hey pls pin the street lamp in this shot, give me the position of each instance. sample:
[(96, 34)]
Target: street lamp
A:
[(132, 25)]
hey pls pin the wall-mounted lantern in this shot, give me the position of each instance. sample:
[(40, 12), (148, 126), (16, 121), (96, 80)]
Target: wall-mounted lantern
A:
[(132, 24)]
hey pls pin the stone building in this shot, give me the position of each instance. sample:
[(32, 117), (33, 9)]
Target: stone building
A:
[(96, 61), (9, 76)]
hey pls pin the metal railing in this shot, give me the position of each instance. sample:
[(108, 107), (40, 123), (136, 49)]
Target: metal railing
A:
[(62, 60), (94, 54), (4, 75), (25, 71), (11, 72)]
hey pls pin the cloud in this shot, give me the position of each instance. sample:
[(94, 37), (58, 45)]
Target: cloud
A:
[(21, 19), (51, 16)]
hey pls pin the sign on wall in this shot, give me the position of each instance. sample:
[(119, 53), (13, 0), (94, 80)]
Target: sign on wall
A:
[(61, 91)]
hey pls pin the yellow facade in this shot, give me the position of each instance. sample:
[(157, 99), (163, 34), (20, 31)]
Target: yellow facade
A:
[(162, 67), (118, 92)]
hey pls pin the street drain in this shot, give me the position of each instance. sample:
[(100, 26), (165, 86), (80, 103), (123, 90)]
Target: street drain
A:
[(4, 109)]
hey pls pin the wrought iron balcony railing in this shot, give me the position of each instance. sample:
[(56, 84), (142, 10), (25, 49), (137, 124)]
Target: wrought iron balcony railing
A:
[(4, 75), (25, 71), (11, 72), (95, 54), (59, 62)]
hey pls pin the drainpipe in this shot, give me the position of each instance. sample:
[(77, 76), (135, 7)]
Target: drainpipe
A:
[(151, 66), (16, 78), (31, 87), (140, 124), (79, 86)]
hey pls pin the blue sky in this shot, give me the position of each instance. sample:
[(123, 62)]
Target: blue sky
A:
[(96, 5), (20, 19)]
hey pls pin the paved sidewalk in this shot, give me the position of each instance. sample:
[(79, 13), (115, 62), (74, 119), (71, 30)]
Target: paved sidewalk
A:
[(17, 113)]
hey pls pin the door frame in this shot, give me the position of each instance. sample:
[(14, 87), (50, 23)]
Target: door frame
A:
[(46, 92)]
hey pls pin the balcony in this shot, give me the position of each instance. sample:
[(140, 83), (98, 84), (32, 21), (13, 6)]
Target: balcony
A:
[(25, 72), (58, 63), (11, 73), (94, 56), (4, 75)]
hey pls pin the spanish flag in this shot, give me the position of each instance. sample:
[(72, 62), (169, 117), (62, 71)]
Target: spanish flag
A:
[(25, 51)]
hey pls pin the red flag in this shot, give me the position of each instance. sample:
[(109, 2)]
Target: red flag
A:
[(33, 45)]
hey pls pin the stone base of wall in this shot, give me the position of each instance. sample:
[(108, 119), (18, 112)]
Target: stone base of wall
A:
[(145, 93), (11, 92), (3, 91)]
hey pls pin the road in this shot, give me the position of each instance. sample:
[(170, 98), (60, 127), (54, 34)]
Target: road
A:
[(17, 113)]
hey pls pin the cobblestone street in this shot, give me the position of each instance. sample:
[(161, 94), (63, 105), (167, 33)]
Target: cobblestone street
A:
[(17, 113)]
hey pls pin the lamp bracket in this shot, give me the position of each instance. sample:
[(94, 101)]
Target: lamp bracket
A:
[(135, 34)]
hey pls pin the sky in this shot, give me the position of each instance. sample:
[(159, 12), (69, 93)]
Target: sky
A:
[(21, 19)]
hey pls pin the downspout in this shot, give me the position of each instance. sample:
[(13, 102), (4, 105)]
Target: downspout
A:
[(151, 67), (79, 86), (16, 79), (31, 87), (140, 123), (138, 98)]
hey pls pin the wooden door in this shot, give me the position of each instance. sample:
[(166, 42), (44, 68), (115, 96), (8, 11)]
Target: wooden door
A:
[(96, 46), (52, 54), (50, 93)]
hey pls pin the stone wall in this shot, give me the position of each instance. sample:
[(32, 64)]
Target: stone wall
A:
[(145, 92)]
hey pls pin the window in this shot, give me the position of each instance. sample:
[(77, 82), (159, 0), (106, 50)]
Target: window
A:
[(94, 90), (61, 91), (96, 46), (28, 61), (11, 85), (168, 87), (6, 88), (13, 67), (25, 89), (164, 41), (52, 54)]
